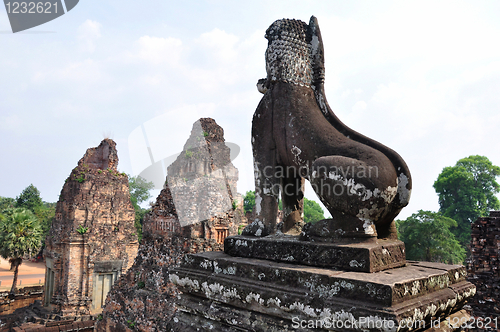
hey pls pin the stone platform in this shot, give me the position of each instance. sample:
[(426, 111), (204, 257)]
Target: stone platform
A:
[(373, 256), (225, 293)]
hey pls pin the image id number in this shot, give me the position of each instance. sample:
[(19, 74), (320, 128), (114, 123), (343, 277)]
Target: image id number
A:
[(474, 322), (31, 7)]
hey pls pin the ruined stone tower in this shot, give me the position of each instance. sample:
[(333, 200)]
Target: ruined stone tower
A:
[(204, 180), (203, 183), (92, 240)]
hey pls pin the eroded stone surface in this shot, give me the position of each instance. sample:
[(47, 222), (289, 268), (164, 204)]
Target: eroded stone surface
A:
[(202, 179), (362, 256), (93, 234), (484, 265), (273, 292)]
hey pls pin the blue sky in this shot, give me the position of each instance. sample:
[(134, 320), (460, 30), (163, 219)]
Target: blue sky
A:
[(422, 77)]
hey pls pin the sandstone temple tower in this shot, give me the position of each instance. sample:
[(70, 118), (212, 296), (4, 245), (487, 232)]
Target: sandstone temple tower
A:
[(203, 184), (92, 240)]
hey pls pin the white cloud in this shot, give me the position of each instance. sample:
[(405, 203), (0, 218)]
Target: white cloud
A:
[(219, 45), (12, 123), (83, 72), (88, 33), (360, 106), (157, 50)]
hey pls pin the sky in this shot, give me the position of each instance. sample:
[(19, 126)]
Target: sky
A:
[(422, 77)]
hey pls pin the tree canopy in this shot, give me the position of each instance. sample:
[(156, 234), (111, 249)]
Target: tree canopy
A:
[(139, 189), (427, 236), (139, 192), (45, 215), (467, 191), (249, 201), (29, 198), (7, 202), (20, 235), (312, 211)]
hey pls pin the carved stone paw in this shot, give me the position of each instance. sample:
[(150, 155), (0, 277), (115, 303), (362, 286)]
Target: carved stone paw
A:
[(335, 230), (256, 228), (295, 230)]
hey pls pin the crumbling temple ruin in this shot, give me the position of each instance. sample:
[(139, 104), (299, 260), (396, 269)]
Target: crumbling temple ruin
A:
[(203, 183), (92, 240), (144, 299), (347, 273), (484, 266)]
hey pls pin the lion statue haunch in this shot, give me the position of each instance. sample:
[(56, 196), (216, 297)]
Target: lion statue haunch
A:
[(296, 136)]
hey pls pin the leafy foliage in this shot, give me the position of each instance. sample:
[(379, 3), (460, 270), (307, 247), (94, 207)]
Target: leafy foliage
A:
[(139, 221), (249, 201), (467, 191), (427, 236), (312, 211), (139, 193), (82, 230), (139, 189), (29, 198), (20, 235), (6, 203), (45, 215)]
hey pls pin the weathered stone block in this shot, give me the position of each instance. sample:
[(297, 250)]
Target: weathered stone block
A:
[(373, 256), (257, 295)]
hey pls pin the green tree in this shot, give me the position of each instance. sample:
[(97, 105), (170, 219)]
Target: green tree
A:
[(29, 198), (312, 211), (45, 215), (249, 201), (20, 235), (427, 236), (466, 192), (6, 203), (139, 192)]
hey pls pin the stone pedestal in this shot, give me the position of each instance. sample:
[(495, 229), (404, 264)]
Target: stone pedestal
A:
[(225, 293), (367, 256)]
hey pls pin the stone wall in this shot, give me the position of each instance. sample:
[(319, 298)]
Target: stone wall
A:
[(484, 266), (92, 240), (23, 298)]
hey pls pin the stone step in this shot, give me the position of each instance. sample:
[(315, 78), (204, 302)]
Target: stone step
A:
[(418, 291), (386, 287)]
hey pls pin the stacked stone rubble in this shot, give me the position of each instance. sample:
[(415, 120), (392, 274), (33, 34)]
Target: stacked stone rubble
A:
[(144, 298), (92, 240), (484, 265)]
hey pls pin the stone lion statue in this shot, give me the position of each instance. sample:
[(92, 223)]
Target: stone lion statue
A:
[(296, 136)]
